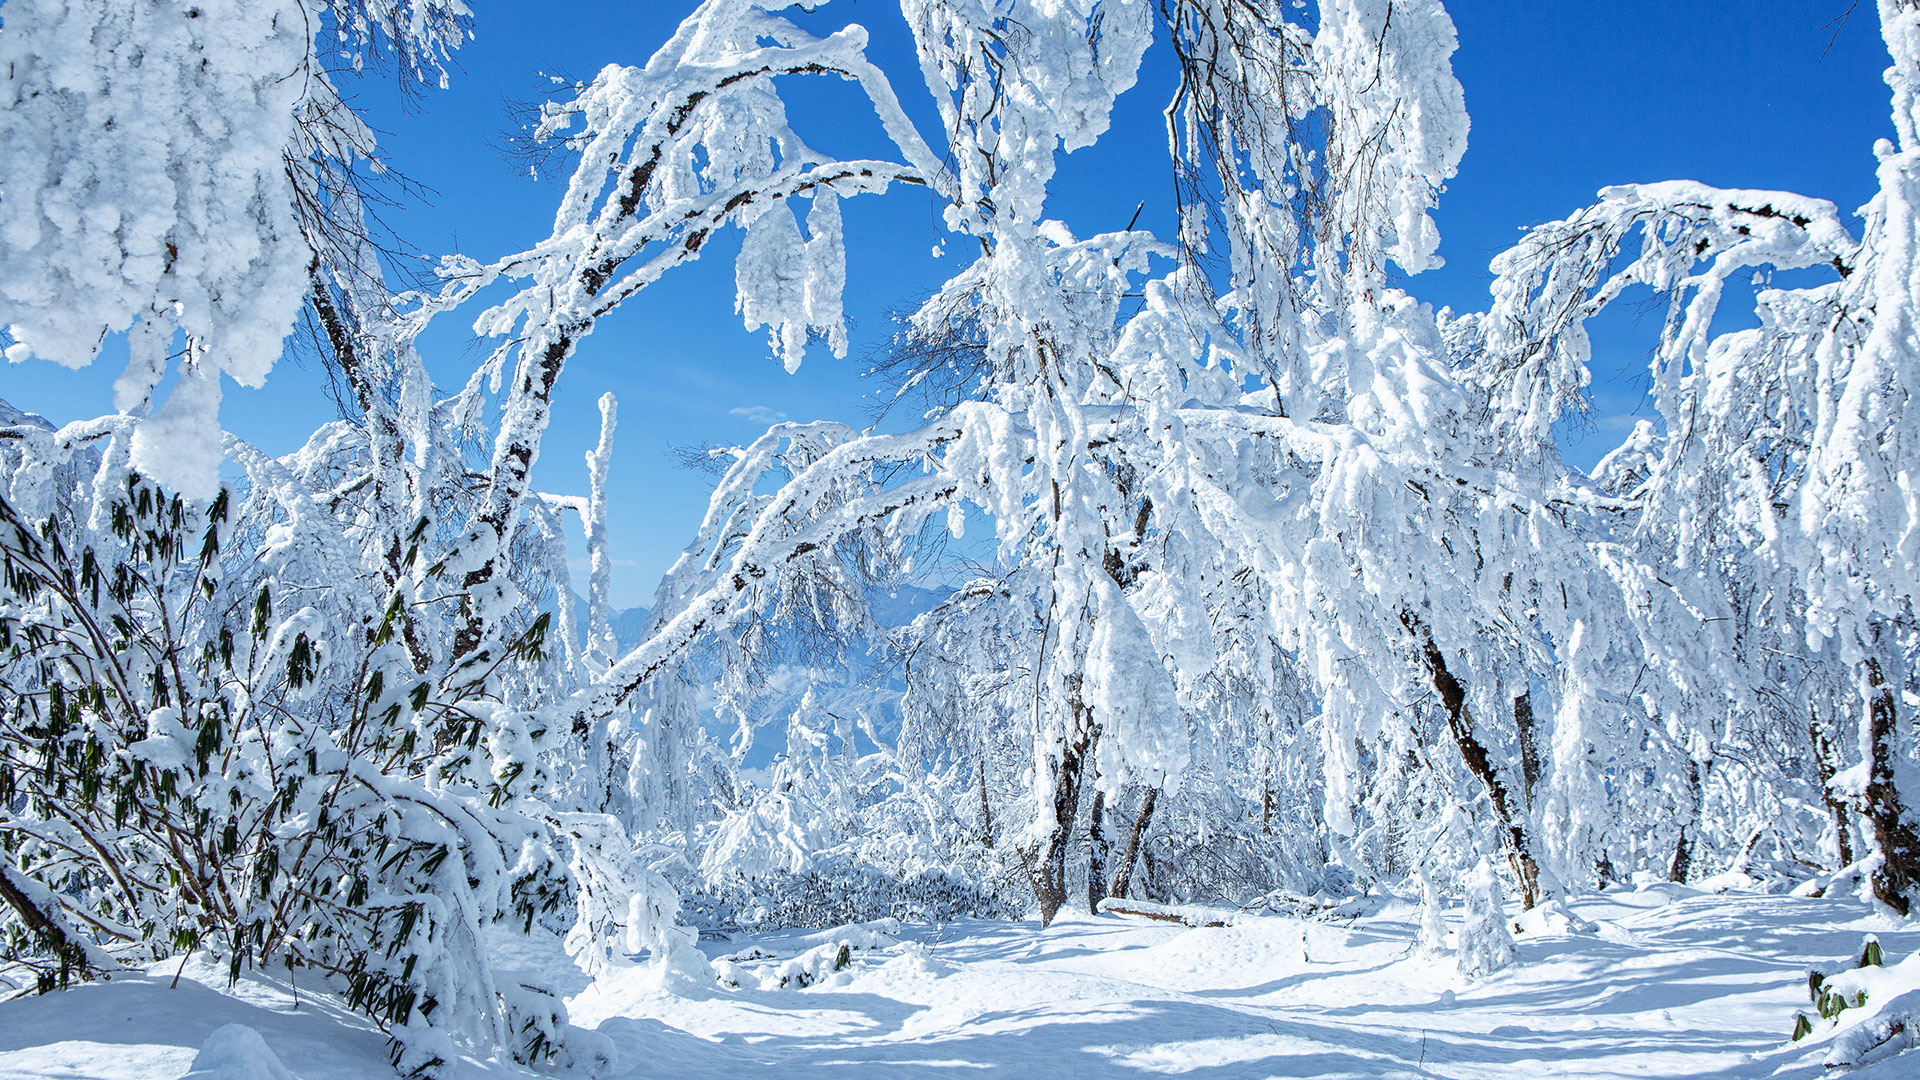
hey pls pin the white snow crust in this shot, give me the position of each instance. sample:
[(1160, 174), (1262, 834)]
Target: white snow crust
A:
[(1672, 982)]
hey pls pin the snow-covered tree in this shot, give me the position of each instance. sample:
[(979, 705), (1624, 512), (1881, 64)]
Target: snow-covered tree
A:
[(1288, 584), (1773, 482)]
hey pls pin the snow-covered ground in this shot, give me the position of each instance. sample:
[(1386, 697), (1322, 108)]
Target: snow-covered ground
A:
[(1672, 982)]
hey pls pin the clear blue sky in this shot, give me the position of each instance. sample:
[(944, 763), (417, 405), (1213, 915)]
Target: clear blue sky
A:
[(1564, 98)]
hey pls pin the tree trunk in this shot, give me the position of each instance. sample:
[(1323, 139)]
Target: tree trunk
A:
[(1046, 858), (1513, 819), (1123, 869), (1826, 760), (1266, 799), (1682, 862), (986, 808), (1529, 746), (1098, 845), (1896, 881)]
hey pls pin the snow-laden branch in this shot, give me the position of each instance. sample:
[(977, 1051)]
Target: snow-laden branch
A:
[(1566, 272)]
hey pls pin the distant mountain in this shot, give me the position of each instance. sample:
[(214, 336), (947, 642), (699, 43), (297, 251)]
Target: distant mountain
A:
[(627, 622), (628, 625), (12, 417), (860, 682), (891, 609)]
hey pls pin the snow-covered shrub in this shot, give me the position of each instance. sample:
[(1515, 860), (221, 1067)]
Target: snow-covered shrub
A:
[(624, 906), (212, 739), (840, 891), (795, 963), (1207, 845), (1485, 942), (812, 967)]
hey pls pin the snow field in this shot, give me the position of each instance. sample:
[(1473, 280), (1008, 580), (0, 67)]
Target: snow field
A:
[(1673, 982)]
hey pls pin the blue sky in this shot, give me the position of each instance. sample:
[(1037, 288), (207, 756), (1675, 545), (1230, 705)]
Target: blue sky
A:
[(1762, 94)]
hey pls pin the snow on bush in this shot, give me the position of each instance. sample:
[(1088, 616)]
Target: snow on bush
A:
[(844, 891), (1485, 943), (808, 960), (1866, 1014)]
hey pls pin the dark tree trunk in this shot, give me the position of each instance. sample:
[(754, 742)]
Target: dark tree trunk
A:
[(1896, 881), (1529, 746), (1266, 801), (1513, 819), (1123, 868), (986, 808), (1682, 862), (1826, 760), (1046, 860), (1098, 846)]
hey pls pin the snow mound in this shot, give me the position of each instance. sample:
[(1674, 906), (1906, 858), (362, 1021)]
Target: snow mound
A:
[(794, 962), (237, 1052), (1553, 918)]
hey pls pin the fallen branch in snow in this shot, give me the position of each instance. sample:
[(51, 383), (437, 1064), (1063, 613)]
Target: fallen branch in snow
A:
[(40, 910), (1184, 914)]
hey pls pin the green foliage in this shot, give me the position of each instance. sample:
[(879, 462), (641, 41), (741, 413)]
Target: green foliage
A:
[(203, 748), (1828, 1002), (1870, 955)]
